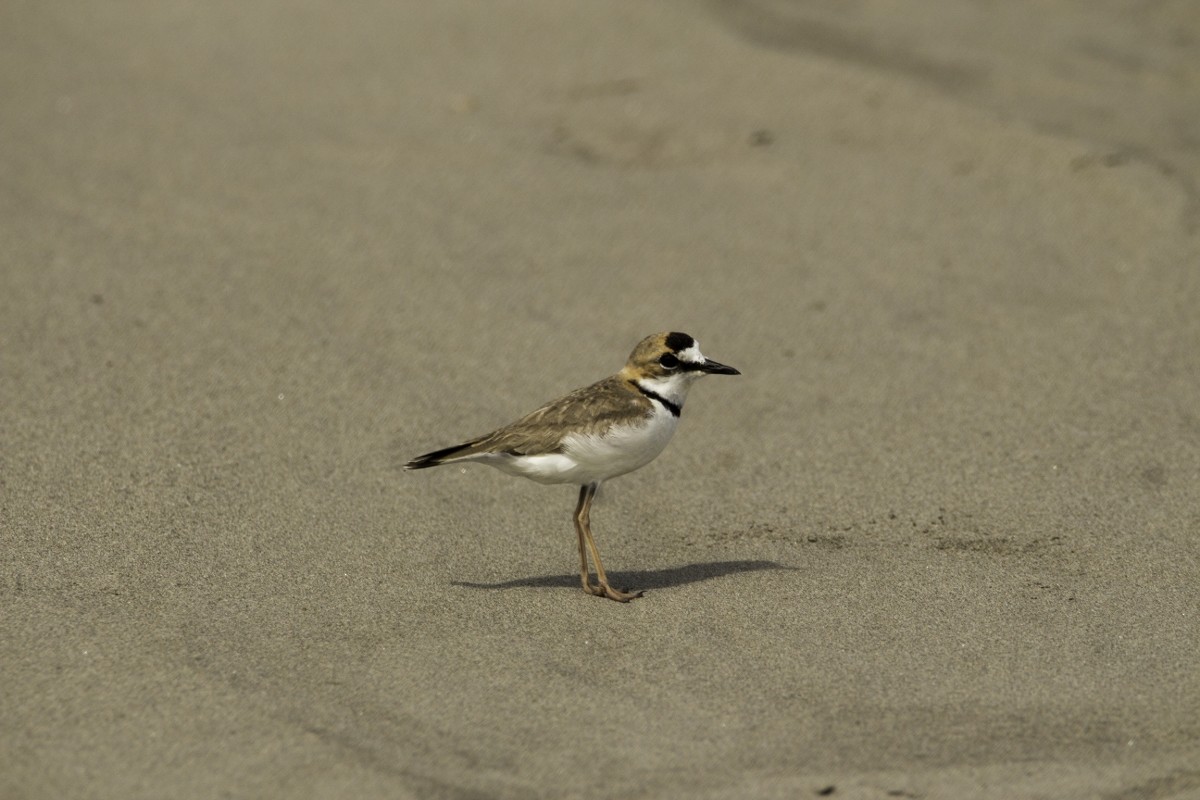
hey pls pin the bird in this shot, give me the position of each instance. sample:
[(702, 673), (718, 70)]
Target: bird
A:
[(595, 434)]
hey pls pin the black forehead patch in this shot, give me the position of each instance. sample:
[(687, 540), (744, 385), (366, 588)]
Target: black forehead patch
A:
[(678, 342)]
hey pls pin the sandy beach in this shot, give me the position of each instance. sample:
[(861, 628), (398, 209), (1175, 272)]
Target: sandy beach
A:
[(941, 538)]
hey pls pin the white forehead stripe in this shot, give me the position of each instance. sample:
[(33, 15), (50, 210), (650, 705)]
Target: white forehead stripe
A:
[(692, 354)]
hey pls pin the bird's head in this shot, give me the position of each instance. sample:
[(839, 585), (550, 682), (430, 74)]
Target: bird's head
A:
[(670, 362)]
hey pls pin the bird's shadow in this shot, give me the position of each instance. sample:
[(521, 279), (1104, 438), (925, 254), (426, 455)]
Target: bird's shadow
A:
[(641, 579)]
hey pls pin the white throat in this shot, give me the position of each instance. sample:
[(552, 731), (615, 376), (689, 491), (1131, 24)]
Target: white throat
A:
[(672, 387)]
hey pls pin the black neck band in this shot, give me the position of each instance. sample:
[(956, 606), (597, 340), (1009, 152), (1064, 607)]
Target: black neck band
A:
[(667, 404)]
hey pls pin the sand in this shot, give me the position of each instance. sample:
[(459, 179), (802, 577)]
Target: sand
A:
[(940, 539)]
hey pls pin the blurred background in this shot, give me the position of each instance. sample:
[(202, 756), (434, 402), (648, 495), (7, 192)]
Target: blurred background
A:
[(938, 540)]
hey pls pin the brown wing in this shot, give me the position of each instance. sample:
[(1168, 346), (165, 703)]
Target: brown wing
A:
[(592, 409)]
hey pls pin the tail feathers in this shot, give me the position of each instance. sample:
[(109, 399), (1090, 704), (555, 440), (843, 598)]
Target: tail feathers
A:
[(443, 456)]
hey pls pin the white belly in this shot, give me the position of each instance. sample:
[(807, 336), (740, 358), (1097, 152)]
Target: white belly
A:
[(595, 458)]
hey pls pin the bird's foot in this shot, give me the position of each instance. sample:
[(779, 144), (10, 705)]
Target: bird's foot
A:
[(604, 590)]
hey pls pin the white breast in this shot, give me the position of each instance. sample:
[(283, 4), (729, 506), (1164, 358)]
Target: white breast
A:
[(591, 458)]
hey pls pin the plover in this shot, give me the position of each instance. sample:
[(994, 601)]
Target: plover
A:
[(595, 433)]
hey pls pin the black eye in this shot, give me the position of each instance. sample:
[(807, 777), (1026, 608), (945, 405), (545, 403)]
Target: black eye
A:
[(669, 361)]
